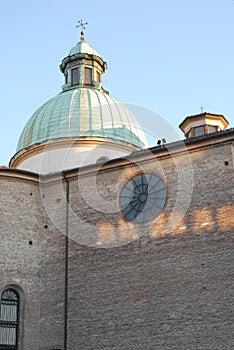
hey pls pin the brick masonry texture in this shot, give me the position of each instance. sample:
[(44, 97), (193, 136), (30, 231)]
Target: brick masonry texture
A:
[(20, 222), (167, 284)]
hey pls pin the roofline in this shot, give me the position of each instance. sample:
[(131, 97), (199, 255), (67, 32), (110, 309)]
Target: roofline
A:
[(180, 146), (204, 114), (28, 151), (19, 174), (164, 150)]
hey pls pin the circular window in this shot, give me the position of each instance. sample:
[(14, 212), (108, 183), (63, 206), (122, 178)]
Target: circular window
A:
[(102, 160), (142, 198)]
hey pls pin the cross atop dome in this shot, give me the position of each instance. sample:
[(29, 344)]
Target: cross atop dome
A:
[(83, 27)]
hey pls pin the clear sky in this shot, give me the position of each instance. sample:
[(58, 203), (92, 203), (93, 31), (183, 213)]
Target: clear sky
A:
[(171, 56)]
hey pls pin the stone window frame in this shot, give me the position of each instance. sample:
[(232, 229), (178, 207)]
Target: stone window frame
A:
[(98, 76)]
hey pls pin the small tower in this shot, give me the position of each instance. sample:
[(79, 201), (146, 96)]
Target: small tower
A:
[(83, 67), (202, 124)]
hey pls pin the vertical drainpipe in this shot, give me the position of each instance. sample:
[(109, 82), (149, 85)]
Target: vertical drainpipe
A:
[(66, 262)]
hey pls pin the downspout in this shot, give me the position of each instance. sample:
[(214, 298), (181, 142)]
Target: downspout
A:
[(66, 262)]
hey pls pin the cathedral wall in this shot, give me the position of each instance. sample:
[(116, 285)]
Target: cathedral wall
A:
[(32, 257), (52, 295), (20, 250), (163, 285)]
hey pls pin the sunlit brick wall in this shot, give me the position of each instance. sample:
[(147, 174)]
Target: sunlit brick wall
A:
[(163, 286)]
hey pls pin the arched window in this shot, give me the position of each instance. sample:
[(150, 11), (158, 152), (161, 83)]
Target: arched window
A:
[(9, 319)]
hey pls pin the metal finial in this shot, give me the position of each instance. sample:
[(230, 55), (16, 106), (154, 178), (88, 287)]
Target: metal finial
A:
[(82, 25), (202, 109)]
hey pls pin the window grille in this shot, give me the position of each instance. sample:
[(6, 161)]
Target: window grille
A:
[(143, 197), (212, 128), (88, 76), (9, 320), (75, 76), (199, 131)]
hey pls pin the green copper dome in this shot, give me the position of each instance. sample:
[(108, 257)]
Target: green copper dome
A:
[(82, 112), (83, 108)]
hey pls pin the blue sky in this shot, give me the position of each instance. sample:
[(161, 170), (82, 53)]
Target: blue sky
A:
[(169, 56)]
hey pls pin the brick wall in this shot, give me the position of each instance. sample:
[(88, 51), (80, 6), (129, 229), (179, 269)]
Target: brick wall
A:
[(172, 287), (163, 285), (20, 251)]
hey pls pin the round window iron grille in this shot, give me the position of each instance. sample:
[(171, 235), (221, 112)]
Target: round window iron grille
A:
[(143, 198)]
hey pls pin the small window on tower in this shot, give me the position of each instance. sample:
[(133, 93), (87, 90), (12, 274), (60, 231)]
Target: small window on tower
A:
[(98, 76), (66, 78), (75, 76), (199, 131), (212, 128), (88, 76)]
